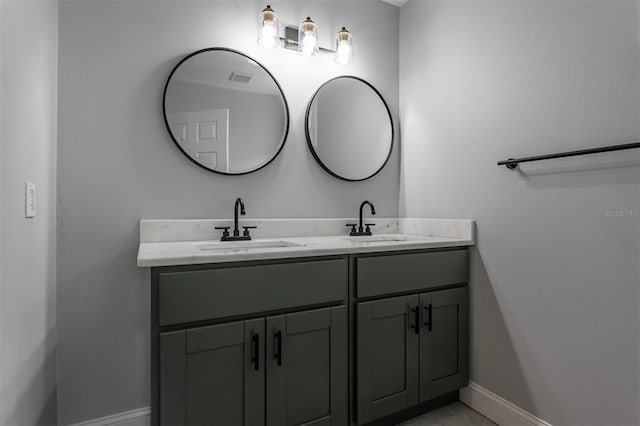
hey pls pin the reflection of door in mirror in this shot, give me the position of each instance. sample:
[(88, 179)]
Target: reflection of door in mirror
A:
[(204, 136)]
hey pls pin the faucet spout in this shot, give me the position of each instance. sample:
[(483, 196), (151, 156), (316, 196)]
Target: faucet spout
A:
[(239, 203), (373, 211)]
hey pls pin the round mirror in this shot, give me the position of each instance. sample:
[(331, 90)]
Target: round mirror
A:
[(225, 111), (349, 128)]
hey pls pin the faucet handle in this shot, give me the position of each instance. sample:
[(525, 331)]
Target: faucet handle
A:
[(353, 227), (367, 225), (225, 231), (246, 230)]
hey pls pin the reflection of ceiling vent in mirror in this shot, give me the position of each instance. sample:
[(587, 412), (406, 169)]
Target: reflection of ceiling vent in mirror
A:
[(240, 77)]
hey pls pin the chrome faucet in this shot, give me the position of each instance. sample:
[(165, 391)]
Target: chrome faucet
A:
[(236, 232), (362, 230)]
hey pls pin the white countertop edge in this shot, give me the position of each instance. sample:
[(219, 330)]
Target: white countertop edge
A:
[(172, 242), (150, 259)]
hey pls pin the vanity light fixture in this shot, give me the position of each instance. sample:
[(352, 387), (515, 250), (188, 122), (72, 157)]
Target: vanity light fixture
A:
[(304, 39)]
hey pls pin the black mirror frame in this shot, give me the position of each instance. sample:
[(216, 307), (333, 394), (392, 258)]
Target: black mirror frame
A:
[(308, 135), (166, 122)]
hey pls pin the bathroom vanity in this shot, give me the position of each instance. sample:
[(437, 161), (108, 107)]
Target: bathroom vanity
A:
[(312, 329)]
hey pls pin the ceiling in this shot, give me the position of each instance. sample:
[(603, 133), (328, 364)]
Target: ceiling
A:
[(398, 3)]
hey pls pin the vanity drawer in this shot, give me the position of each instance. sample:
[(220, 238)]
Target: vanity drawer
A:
[(379, 275), (197, 295)]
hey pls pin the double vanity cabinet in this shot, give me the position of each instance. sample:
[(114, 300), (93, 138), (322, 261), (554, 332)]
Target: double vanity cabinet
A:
[(342, 339)]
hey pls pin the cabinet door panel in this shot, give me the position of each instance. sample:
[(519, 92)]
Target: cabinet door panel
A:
[(214, 390), (308, 385), (444, 360), (172, 378), (390, 356), (308, 375), (387, 357), (444, 344), (211, 376)]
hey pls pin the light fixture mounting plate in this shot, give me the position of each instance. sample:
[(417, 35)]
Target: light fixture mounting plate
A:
[(291, 37)]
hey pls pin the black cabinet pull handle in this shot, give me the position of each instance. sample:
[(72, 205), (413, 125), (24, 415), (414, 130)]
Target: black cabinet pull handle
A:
[(278, 354), (416, 324), (256, 351), (429, 323)]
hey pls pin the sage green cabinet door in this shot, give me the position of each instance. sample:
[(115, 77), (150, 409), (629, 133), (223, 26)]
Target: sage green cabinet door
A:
[(307, 368), (387, 356), (213, 375), (444, 351)]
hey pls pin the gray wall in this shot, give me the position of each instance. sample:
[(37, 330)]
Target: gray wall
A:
[(117, 165), (555, 316), (28, 102)]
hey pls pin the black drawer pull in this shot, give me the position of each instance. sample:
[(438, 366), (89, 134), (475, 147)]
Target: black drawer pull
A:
[(429, 323), (416, 324), (278, 354), (256, 351)]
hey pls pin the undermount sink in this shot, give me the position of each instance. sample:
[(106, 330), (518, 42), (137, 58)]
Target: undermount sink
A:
[(379, 238), (244, 245)]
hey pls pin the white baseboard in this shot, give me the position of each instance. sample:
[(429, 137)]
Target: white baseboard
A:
[(496, 408), (485, 402), (138, 417)]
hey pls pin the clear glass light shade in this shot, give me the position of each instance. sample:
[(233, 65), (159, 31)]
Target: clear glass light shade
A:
[(268, 28), (344, 47), (308, 38)]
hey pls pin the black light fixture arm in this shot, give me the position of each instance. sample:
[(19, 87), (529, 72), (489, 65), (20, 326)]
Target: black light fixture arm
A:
[(512, 163)]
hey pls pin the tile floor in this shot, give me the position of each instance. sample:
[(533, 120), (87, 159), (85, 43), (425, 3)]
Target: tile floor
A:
[(455, 414)]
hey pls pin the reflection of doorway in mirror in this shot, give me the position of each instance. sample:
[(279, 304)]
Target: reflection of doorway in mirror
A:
[(204, 136)]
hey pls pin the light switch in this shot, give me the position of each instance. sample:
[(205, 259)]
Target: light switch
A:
[(29, 200)]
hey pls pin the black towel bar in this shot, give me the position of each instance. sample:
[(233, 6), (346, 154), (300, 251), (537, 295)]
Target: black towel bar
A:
[(512, 163)]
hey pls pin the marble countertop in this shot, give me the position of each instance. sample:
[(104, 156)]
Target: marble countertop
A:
[(187, 242)]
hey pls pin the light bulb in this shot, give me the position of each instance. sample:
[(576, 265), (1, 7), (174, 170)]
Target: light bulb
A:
[(343, 53), (267, 36), (308, 44)]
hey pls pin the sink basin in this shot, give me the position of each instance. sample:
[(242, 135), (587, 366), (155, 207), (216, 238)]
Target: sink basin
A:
[(379, 238), (244, 245)]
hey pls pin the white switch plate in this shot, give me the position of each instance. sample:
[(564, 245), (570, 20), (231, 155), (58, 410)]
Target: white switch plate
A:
[(29, 200)]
